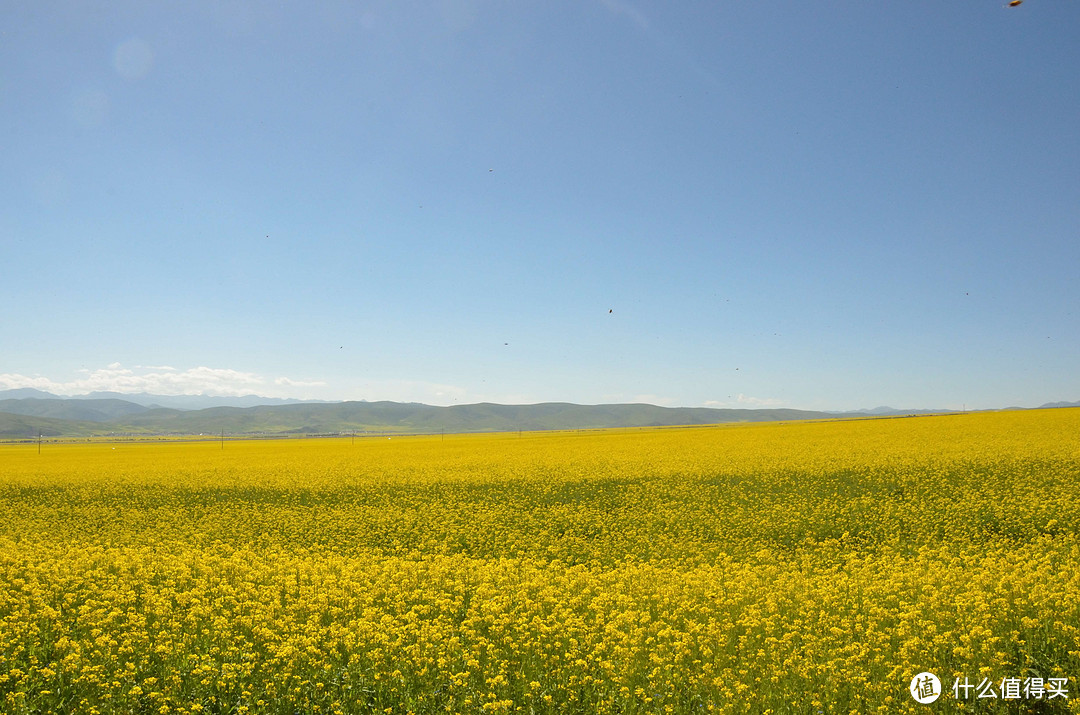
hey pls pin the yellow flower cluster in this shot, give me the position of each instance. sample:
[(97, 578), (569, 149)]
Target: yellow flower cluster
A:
[(784, 568)]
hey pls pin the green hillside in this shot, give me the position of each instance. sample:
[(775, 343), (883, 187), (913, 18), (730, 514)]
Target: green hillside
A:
[(14, 427), (345, 417), (102, 410)]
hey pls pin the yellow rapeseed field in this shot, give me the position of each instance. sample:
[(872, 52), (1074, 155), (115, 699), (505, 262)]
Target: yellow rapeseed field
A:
[(784, 568)]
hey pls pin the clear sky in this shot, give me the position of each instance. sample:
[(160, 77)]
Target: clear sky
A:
[(820, 205)]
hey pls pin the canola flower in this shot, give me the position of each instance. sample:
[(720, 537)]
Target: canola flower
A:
[(784, 568)]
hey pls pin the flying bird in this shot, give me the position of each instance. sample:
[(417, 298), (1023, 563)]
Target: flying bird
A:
[(1015, 3)]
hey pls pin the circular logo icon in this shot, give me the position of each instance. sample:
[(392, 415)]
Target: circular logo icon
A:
[(925, 688)]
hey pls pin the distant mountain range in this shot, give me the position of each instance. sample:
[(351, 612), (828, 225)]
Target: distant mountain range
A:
[(26, 412), (180, 402)]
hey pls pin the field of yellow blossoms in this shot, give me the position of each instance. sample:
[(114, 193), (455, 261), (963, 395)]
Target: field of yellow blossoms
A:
[(786, 568)]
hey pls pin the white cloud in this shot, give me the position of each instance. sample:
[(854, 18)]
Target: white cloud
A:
[(133, 58), (655, 400), (648, 398), (161, 380), (225, 382), (515, 398), (11, 382), (618, 7), (299, 383), (746, 402), (430, 393)]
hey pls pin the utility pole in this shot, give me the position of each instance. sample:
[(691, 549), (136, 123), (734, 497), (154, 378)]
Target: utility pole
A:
[(223, 438), (39, 441)]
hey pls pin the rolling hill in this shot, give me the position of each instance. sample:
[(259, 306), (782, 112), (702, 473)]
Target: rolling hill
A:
[(28, 427), (22, 418), (64, 409)]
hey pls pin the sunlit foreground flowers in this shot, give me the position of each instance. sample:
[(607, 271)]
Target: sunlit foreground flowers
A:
[(795, 568)]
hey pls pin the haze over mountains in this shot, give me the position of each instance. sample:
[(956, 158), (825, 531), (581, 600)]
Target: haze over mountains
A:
[(24, 413), (180, 402)]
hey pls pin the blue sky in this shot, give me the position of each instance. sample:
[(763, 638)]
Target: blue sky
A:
[(825, 205)]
